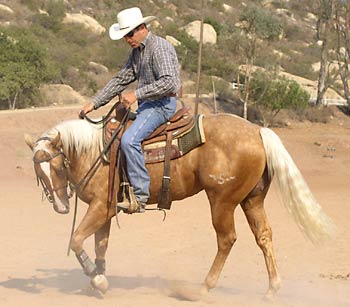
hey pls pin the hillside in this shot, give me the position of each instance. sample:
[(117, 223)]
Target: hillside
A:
[(74, 33)]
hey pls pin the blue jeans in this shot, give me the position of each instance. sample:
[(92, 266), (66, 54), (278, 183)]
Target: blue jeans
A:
[(150, 115)]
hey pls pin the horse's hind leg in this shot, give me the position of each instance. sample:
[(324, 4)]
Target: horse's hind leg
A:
[(253, 208), (223, 222)]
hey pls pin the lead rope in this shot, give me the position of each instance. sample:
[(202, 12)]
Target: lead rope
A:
[(73, 224)]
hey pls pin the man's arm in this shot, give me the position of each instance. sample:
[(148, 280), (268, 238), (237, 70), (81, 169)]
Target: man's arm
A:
[(115, 86)]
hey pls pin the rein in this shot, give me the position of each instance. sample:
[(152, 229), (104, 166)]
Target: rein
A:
[(44, 181), (98, 160), (107, 146), (103, 120), (45, 184)]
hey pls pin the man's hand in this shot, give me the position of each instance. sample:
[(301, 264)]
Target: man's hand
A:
[(128, 99), (86, 109)]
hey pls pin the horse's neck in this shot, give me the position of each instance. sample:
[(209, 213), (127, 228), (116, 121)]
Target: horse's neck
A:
[(80, 165)]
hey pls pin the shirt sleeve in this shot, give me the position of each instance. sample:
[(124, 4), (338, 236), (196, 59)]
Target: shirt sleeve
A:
[(116, 85), (165, 66)]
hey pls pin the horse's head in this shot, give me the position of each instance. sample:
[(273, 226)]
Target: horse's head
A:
[(50, 164)]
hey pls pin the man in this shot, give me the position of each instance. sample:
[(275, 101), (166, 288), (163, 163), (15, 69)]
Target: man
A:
[(153, 63)]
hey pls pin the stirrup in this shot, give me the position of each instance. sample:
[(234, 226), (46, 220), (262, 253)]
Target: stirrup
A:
[(129, 203), (125, 207)]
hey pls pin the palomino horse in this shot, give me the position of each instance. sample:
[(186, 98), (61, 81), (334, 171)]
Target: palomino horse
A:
[(234, 166)]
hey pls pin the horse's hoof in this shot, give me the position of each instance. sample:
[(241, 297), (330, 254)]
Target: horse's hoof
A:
[(100, 283), (203, 290), (270, 296)]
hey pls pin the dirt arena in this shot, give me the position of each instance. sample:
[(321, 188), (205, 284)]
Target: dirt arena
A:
[(149, 260)]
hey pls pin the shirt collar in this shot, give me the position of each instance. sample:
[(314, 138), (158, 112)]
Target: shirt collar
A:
[(145, 42)]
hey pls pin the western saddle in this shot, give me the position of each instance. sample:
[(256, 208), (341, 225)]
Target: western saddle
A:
[(180, 122)]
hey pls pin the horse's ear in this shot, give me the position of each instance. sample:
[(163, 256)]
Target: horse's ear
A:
[(56, 142), (29, 141)]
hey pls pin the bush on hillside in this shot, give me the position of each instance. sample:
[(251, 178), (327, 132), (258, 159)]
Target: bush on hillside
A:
[(24, 66), (55, 13), (272, 95)]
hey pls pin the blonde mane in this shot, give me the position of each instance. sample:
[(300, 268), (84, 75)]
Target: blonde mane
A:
[(79, 136)]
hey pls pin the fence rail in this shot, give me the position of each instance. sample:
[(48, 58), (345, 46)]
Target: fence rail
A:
[(330, 102)]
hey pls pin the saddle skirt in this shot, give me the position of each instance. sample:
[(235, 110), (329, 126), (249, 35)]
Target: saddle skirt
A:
[(186, 132)]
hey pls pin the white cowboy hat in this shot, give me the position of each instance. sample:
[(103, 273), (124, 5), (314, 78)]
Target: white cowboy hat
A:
[(128, 20)]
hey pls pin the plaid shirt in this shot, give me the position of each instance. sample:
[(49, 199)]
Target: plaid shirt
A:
[(154, 64)]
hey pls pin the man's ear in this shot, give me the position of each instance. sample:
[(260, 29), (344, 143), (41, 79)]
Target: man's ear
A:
[(29, 141)]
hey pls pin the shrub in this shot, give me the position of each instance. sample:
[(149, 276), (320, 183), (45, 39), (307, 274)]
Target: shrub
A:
[(24, 66), (272, 95), (52, 21), (260, 23), (215, 24), (317, 115)]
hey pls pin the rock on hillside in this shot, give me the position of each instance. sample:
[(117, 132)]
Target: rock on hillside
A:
[(5, 10), (209, 33), (311, 86), (7, 14), (86, 21)]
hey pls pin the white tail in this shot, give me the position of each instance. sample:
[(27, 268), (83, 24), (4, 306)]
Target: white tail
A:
[(296, 194)]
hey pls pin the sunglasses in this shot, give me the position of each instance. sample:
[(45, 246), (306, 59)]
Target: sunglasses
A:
[(131, 33)]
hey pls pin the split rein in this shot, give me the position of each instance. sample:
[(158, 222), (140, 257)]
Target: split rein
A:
[(99, 159), (44, 181), (121, 126)]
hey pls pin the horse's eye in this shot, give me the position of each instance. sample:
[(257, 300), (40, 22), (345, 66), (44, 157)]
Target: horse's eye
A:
[(59, 170)]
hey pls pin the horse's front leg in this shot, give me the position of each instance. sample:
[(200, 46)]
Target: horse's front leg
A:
[(95, 218), (101, 245)]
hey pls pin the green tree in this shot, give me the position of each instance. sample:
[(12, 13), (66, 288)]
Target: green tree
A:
[(271, 95), (23, 67), (257, 24)]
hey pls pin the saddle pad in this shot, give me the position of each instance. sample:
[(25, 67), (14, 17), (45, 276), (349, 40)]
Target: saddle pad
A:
[(180, 145)]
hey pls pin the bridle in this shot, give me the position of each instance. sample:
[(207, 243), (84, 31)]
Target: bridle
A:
[(44, 181), (42, 178)]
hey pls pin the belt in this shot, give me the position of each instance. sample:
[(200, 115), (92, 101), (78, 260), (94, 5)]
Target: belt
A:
[(171, 95)]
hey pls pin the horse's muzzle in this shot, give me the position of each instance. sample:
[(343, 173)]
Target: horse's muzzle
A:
[(61, 207)]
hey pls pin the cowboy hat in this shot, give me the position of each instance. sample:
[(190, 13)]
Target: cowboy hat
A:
[(128, 20)]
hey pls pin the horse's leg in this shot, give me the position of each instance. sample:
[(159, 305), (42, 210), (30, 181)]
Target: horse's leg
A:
[(101, 245), (253, 208), (223, 222), (94, 219)]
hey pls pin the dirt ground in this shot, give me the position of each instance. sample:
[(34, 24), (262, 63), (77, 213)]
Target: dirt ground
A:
[(148, 260)]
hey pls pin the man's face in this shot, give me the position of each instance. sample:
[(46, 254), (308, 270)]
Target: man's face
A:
[(135, 37)]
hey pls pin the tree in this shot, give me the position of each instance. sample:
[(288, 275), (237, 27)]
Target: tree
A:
[(271, 95), (23, 67), (342, 26), (324, 31), (257, 24)]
